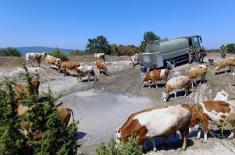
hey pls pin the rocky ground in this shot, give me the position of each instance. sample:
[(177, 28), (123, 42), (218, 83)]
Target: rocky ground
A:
[(102, 106)]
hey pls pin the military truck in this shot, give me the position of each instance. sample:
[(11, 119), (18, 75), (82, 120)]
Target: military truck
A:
[(160, 54)]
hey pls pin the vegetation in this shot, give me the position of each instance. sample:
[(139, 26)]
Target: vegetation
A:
[(46, 135), (148, 37), (98, 45), (59, 54), (10, 52), (129, 50), (76, 53), (230, 48), (129, 148)]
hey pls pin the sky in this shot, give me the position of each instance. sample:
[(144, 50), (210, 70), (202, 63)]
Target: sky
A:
[(69, 23)]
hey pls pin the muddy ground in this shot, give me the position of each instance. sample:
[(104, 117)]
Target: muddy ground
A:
[(102, 106)]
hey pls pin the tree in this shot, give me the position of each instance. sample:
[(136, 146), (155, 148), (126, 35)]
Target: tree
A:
[(230, 48), (98, 45), (148, 37), (10, 52), (115, 50)]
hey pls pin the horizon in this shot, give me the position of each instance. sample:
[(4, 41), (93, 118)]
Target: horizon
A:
[(69, 24)]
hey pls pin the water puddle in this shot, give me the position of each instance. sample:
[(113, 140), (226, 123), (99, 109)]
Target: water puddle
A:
[(100, 114)]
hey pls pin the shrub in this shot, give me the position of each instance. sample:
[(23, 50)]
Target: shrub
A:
[(128, 148), (42, 117), (10, 52), (59, 54)]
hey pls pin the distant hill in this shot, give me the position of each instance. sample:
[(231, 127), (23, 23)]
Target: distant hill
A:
[(24, 50)]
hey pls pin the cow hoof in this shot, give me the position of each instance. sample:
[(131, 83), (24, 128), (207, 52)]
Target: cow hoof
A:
[(203, 141)]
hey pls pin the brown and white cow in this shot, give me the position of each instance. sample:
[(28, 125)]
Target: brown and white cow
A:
[(102, 67), (100, 56), (157, 121), (175, 84), (197, 73), (226, 64), (66, 66), (218, 113), (135, 59), (64, 113), (22, 90), (84, 71), (154, 76)]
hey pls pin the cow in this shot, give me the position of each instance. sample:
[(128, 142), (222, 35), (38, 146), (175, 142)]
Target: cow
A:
[(66, 66), (83, 71), (64, 114), (226, 64), (135, 59), (197, 73), (32, 57), (50, 60), (100, 56), (102, 67), (219, 113), (22, 89), (175, 84), (152, 77), (157, 121)]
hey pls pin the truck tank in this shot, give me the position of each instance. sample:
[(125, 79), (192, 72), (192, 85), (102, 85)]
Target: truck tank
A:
[(168, 46)]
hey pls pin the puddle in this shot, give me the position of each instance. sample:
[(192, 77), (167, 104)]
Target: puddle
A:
[(100, 114)]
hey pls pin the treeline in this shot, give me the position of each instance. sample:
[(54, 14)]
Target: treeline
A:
[(99, 44)]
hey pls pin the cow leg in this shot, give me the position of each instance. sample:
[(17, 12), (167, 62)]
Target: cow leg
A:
[(185, 92), (89, 76), (175, 94), (192, 84), (154, 143), (205, 137), (184, 134), (156, 84), (231, 135), (199, 133)]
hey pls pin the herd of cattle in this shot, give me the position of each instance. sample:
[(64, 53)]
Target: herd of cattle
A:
[(161, 120), (67, 66), (165, 120)]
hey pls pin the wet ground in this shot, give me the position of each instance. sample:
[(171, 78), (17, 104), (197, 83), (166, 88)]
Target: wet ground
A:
[(101, 113)]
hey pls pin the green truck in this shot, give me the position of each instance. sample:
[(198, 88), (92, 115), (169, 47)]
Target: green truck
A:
[(160, 54)]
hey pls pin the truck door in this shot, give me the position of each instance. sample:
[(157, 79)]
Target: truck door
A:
[(196, 42)]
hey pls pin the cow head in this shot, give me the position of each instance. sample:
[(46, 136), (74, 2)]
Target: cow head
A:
[(196, 110), (118, 136), (44, 54), (165, 96)]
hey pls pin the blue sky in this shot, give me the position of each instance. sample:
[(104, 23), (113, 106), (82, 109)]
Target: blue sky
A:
[(69, 23)]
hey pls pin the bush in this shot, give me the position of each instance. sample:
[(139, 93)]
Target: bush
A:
[(43, 120), (59, 54), (128, 148), (10, 52), (76, 53)]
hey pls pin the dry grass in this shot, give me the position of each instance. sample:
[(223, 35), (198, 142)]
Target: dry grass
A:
[(11, 61)]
